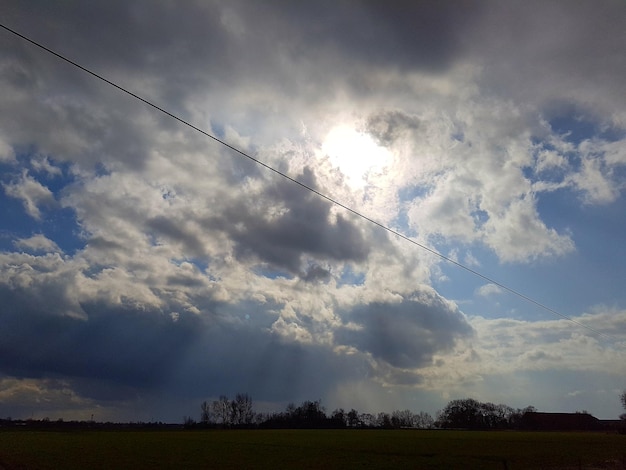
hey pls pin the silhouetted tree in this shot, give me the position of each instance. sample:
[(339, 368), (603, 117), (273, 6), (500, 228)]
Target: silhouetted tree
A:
[(290, 411), (504, 415), (495, 416), (338, 418), (423, 420), (353, 418), (460, 414), (188, 422), (471, 414), (383, 420), (241, 410), (205, 415), (466, 413), (311, 414), (368, 420), (402, 419), (515, 419), (221, 410)]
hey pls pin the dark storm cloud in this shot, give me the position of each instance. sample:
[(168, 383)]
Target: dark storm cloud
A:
[(120, 352), (399, 34), (405, 334), (302, 227), (535, 52), (404, 33), (122, 345)]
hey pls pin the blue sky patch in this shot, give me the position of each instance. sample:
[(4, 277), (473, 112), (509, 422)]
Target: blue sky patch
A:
[(56, 223), (271, 273), (576, 127), (350, 277)]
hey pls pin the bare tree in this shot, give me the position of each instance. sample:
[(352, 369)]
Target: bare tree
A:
[(367, 420), (221, 410), (383, 420), (353, 418), (402, 419), (423, 420), (205, 415), (241, 410)]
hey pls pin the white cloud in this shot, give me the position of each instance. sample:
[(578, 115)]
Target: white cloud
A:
[(551, 344), (43, 164), (549, 159), (7, 154), (614, 152), (488, 290), (526, 362), (594, 179), (519, 234), (31, 192), (37, 243)]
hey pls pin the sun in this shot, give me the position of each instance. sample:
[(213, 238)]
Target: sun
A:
[(356, 154)]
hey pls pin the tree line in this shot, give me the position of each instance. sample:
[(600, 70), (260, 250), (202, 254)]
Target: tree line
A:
[(472, 414), (465, 413)]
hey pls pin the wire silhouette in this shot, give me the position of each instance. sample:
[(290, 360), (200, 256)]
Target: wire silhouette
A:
[(313, 190)]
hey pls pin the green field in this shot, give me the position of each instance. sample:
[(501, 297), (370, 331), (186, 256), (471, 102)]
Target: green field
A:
[(324, 449)]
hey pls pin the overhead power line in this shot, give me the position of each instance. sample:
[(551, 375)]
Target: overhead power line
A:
[(311, 189)]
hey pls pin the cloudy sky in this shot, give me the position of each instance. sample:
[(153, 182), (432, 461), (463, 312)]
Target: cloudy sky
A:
[(145, 267)]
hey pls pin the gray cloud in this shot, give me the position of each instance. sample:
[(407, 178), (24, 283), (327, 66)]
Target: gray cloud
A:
[(389, 126), (569, 51), (119, 353), (174, 230), (302, 226), (112, 344), (410, 35), (405, 334), (316, 273)]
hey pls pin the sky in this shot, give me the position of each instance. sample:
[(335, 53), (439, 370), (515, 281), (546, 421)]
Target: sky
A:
[(145, 267)]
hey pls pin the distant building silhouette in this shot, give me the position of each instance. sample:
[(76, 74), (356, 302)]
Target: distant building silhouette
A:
[(536, 421)]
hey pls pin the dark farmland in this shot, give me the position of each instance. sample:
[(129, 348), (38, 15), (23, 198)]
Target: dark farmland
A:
[(328, 449)]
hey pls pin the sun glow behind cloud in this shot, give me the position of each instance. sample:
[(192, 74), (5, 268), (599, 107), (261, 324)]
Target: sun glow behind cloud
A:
[(356, 154)]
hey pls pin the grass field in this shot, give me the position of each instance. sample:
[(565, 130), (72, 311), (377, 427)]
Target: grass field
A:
[(308, 449)]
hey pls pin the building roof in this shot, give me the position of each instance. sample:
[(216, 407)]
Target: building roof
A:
[(560, 421)]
